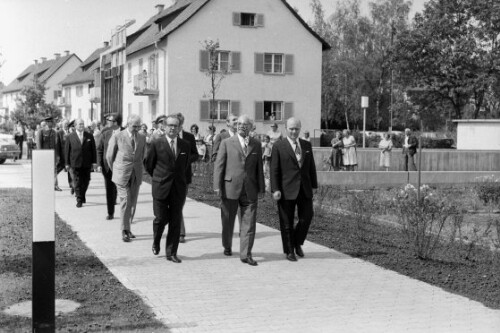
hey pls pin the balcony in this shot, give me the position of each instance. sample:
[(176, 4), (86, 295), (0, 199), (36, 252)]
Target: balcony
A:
[(146, 85), (63, 101), (95, 95)]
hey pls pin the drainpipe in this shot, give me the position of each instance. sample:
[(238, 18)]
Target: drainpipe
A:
[(164, 75)]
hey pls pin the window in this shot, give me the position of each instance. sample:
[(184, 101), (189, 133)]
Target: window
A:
[(67, 95), (273, 63), (79, 91), (273, 111), (129, 72), (140, 66), (221, 61), (79, 113), (248, 19), (219, 110), (224, 61)]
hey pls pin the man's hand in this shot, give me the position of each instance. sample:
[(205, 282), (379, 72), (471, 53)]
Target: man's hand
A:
[(277, 195), (217, 192), (99, 169), (67, 168)]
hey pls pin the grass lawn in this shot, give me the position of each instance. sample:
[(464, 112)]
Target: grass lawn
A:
[(106, 305)]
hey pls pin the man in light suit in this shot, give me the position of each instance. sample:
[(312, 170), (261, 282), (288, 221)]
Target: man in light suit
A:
[(410, 150), (167, 162), (231, 123), (293, 178), (111, 128), (80, 156), (239, 180), (125, 156)]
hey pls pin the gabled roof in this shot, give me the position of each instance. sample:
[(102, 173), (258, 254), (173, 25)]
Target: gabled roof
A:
[(43, 71), (184, 10), (85, 72)]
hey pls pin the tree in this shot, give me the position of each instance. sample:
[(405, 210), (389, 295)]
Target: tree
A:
[(452, 53)]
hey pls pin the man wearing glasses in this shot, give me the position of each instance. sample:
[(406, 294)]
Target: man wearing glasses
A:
[(125, 155)]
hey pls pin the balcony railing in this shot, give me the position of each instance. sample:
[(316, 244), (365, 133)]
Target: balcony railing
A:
[(145, 84), (63, 101), (95, 95)]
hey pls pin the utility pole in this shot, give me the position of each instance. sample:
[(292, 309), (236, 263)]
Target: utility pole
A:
[(393, 31)]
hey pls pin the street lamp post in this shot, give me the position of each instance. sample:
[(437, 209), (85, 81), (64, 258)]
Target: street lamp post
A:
[(364, 105)]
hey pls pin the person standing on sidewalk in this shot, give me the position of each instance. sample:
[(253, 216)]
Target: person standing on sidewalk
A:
[(103, 166), (125, 156), (167, 161), (293, 178), (80, 156), (410, 150), (231, 123), (47, 138), (239, 180), (19, 137)]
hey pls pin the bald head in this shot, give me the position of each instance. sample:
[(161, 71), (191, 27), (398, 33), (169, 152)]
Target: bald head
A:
[(79, 125), (293, 126)]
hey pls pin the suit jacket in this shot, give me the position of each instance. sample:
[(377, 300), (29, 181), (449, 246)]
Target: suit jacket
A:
[(193, 153), (413, 143), (61, 137), (123, 160), (48, 139), (168, 172), (218, 139), (102, 147), (232, 169), (80, 154), (286, 174)]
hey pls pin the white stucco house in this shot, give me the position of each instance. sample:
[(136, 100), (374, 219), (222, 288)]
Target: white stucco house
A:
[(80, 96), (478, 134), (47, 71), (272, 57)]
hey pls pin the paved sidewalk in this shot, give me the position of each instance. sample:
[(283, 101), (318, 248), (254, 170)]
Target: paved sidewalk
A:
[(208, 292)]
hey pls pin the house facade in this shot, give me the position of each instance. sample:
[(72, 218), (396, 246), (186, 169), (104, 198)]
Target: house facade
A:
[(270, 57), (50, 72)]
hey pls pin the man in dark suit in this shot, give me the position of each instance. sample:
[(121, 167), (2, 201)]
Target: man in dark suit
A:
[(231, 123), (239, 180), (62, 135), (47, 138), (80, 156), (409, 150), (167, 161), (293, 178), (102, 164), (193, 158)]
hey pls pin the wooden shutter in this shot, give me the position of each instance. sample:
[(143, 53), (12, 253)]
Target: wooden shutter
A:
[(288, 63), (259, 20), (259, 111), (235, 62), (237, 19), (55, 94), (204, 110), (259, 62), (235, 108), (288, 110), (204, 60)]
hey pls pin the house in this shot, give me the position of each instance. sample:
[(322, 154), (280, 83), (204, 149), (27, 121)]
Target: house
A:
[(81, 90), (50, 72), (272, 57)]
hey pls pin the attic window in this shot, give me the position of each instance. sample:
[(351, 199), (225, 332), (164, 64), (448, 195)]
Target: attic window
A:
[(248, 19)]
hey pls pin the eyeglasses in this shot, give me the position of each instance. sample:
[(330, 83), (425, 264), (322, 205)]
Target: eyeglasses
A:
[(172, 125)]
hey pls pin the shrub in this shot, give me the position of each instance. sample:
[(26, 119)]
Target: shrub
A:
[(487, 189), (362, 206)]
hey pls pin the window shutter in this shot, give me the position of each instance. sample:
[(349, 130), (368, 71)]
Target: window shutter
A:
[(235, 108), (259, 111), (55, 94), (289, 64), (259, 62), (260, 20), (235, 62), (204, 110), (203, 60), (288, 110), (237, 19)]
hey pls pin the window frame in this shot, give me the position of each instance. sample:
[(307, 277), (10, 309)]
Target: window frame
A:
[(273, 104), (218, 109), (79, 91), (219, 61), (250, 16), (274, 63)]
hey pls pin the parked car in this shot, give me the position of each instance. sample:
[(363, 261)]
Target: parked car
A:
[(8, 148)]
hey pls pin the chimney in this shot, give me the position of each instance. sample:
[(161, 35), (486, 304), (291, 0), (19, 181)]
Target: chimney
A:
[(57, 55), (105, 43), (36, 61), (159, 7), (66, 53), (44, 59)]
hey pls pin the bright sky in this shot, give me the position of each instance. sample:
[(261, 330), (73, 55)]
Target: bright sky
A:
[(31, 29)]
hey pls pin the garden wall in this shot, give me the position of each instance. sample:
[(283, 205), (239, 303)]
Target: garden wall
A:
[(432, 160)]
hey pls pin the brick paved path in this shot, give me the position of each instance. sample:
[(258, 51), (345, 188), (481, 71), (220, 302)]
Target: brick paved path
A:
[(325, 292)]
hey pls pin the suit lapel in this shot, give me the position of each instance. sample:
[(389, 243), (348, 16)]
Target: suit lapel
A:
[(290, 151), (251, 146), (236, 143), (169, 150)]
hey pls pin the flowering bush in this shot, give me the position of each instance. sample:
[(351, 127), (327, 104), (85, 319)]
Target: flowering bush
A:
[(422, 219), (487, 189)]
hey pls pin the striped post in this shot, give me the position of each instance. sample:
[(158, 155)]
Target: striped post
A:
[(43, 199)]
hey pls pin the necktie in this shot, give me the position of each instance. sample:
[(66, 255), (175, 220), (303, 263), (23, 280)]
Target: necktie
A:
[(172, 146), (297, 152), (133, 143), (245, 146)]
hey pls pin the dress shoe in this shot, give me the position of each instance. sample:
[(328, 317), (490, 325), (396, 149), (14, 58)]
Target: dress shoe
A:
[(130, 234), (57, 188), (182, 239), (250, 261), (291, 257), (156, 249), (84, 200), (174, 258), (298, 250), (228, 252), (125, 236), (110, 217), (79, 204)]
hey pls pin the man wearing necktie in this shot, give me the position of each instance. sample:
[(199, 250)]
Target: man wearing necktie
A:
[(166, 163), (239, 180), (293, 178), (80, 156), (125, 156)]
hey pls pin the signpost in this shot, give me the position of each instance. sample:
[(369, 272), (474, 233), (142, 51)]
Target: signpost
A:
[(43, 269), (364, 106)]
